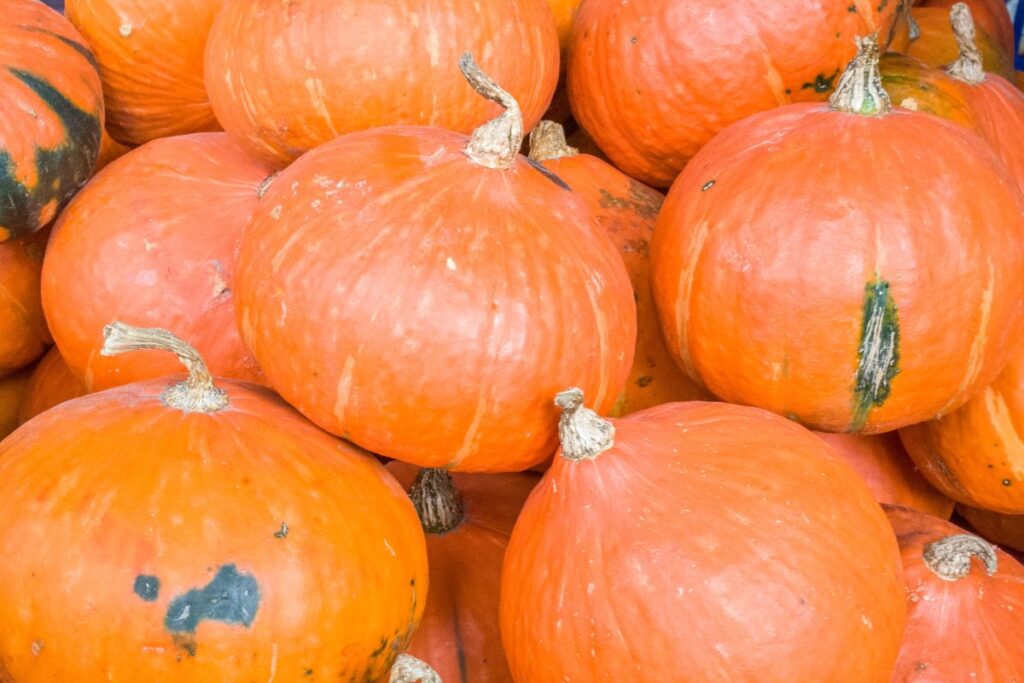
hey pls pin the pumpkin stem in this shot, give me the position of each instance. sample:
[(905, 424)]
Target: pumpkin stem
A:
[(266, 183), (860, 88), (496, 143), (408, 669), (950, 558), (584, 434), (913, 28), (968, 66), (437, 501), (547, 141), (197, 394)]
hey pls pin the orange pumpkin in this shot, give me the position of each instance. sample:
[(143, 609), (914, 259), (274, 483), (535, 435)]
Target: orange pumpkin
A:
[(914, 85), (884, 465), (700, 542), (1006, 530), (770, 223), (564, 11), (468, 519), (418, 292), (52, 116), (51, 383), (150, 55), (735, 59), (626, 209), (153, 240), (963, 616), (286, 77), (23, 332), (110, 149), (937, 45), (992, 16), (13, 389), (199, 533)]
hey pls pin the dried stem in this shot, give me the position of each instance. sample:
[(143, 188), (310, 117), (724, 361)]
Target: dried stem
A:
[(968, 66), (437, 501), (547, 141), (950, 558), (860, 88), (584, 434), (496, 143)]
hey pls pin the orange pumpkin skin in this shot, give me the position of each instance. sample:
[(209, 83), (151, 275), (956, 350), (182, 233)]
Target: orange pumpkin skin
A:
[(51, 383), (884, 465), (657, 556), (564, 11), (446, 351), (1006, 530), (152, 241), (23, 332), (286, 77), (998, 111), (992, 17), (867, 346), (938, 47), (251, 499), (912, 84), (458, 635), (622, 56), (13, 389), (50, 124), (945, 618), (151, 59)]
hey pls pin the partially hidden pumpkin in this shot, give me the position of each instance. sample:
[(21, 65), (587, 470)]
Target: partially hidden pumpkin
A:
[(1006, 530), (965, 604), (937, 45), (50, 124), (564, 11), (153, 240), (821, 270), (286, 77), (23, 332), (419, 292), (652, 81), (992, 16), (915, 85), (110, 149), (150, 55), (195, 531), (468, 519), (50, 384), (13, 389), (699, 542), (626, 209)]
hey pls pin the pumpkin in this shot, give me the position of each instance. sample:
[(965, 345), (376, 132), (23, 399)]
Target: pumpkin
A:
[(992, 17), (885, 467), (964, 599), (564, 11), (938, 47), (13, 389), (626, 210), (781, 219), (1006, 530), (286, 77), (419, 292), (912, 84), (51, 383), (199, 532), (736, 59), (23, 332), (150, 55), (468, 519), (153, 240), (50, 124), (110, 149), (701, 542)]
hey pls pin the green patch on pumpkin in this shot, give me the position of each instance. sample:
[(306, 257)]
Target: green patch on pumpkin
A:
[(878, 353)]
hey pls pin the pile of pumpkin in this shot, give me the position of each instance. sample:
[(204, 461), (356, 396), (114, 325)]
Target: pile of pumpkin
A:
[(322, 212)]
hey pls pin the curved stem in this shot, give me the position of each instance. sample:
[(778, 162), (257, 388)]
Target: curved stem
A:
[(408, 669), (437, 501), (496, 143), (197, 394), (950, 558), (968, 66), (547, 141), (860, 88), (584, 434)]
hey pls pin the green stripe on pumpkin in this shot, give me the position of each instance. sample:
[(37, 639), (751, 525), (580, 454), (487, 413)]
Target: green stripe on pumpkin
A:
[(878, 354)]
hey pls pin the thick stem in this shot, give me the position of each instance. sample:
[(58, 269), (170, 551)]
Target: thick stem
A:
[(408, 669), (968, 66), (496, 143), (584, 434), (547, 141), (437, 501), (197, 394), (950, 558), (860, 88)]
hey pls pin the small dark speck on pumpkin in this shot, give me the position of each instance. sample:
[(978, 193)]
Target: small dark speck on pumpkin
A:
[(789, 91), (283, 531), (307, 672), (708, 185), (803, 601), (852, 8), (1006, 482), (838, 34), (644, 380), (380, 649), (633, 40)]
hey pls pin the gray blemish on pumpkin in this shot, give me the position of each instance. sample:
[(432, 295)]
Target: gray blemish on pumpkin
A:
[(878, 354), (283, 531), (231, 598), (147, 587), (708, 185)]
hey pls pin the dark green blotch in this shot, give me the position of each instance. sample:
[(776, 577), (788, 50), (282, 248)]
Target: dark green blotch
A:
[(147, 587), (231, 598), (878, 353), (822, 83)]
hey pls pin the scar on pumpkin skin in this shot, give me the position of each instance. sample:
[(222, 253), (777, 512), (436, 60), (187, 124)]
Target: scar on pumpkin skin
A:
[(878, 352)]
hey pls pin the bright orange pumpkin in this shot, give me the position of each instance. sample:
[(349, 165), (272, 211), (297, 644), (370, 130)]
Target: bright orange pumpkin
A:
[(51, 383), (23, 332), (1006, 530), (699, 542), (153, 240), (626, 209), (165, 531), (421, 293), (51, 119), (652, 81), (150, 55), (13, 389), (285, 77), (786, 280), (468, 519), (937, 45)]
